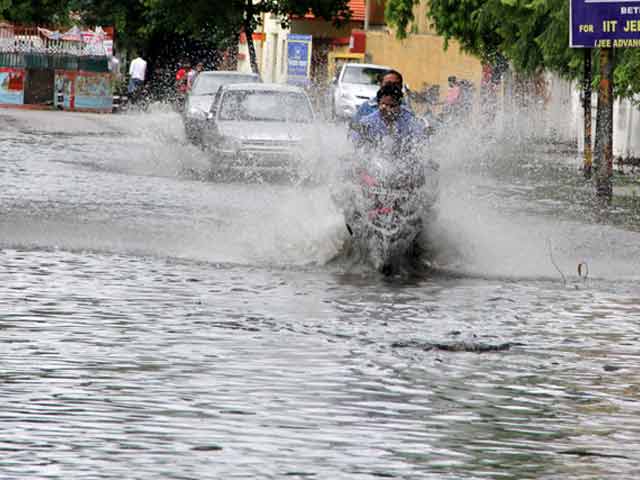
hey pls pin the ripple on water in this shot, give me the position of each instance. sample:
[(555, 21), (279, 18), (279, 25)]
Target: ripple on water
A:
[(146, 332)]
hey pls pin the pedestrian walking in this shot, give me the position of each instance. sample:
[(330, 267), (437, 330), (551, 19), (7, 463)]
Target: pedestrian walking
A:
[(137, 75)]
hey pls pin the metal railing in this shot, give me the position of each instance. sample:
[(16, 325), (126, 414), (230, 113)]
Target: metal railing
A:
[(30, 47), (14, 39)]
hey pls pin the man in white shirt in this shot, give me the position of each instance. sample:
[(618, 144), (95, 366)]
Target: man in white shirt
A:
[(137, 73)]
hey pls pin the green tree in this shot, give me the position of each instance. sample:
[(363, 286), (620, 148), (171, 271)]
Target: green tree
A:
[(224, 19), (531, 34), (40, 12), (127, 16), (627, 74)]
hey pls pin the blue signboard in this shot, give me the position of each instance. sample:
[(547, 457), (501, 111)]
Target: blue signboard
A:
[(298, 58), (605, 23)]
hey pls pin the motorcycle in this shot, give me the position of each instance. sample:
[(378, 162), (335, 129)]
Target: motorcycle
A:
[(389, 204)]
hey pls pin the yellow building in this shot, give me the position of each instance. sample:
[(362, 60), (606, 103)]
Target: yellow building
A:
[(421, 57)]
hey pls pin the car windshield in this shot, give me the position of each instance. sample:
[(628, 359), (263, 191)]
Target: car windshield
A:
[(245, 105), (362, 75), (209, 84)]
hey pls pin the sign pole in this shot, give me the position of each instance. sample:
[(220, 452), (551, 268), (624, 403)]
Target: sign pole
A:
[(588, 153), (606, 25), (604, 126)]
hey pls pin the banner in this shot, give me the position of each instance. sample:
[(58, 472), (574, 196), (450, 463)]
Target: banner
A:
[(604, 23), (11, 86), (93, 91), (298, 58)]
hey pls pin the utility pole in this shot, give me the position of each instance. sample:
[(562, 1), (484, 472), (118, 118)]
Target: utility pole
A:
[(586, 91), (604, 127), (367, 5)]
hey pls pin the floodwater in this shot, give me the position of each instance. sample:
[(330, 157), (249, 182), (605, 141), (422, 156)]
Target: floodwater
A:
[(155, 324)]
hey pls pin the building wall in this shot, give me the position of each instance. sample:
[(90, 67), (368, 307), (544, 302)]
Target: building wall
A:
[(271, 51), (626, 124), (626, 129), (274, 50), (422, 59), (322, 29)]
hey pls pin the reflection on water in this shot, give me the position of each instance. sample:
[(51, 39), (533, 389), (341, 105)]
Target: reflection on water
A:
[(157, 326)]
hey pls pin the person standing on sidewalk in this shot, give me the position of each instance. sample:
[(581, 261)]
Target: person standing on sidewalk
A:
[(137, 75)]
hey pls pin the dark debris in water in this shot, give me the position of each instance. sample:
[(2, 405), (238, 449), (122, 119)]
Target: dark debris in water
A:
[(207, 448), (236, 412), (586, 453), (476, 347), (611, 368)]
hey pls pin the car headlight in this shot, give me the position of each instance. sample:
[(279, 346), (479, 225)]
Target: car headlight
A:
[(196, 112)]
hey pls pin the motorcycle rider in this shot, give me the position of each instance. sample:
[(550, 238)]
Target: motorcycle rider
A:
[(391, 127), (390, 130)]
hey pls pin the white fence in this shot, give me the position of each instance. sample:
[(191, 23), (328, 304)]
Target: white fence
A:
[(41, 41)]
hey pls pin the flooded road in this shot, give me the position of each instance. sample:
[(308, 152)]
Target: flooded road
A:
[(156, 324)]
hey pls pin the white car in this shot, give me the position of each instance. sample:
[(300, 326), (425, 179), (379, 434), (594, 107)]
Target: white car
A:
[(259, 128), (200, 97), (354, 84)]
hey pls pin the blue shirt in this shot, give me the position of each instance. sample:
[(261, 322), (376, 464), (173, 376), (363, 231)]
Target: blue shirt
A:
[(370, 106), (402, 135)]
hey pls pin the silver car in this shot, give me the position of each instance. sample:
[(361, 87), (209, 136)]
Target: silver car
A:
[(259, 128), (200, 97), (354, 84)]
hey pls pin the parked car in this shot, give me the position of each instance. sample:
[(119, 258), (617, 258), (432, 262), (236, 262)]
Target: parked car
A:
[(354, 84), (259, 128), (200, 97)]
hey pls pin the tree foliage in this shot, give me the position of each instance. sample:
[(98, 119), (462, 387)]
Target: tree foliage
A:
[(531, 34), (527, 32), (43, 12), (221, 18), (213, 22), (129, 17), (627, 74), (399, 13)]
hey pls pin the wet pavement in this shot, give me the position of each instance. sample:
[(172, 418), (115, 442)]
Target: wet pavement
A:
[(157, 324)]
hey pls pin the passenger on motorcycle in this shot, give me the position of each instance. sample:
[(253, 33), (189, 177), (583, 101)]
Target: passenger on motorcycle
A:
[(390, 77)]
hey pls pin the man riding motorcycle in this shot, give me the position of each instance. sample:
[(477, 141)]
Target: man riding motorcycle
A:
[(385, 199)]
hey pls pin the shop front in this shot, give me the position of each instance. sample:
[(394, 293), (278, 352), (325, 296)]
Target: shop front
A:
[(40, 68)]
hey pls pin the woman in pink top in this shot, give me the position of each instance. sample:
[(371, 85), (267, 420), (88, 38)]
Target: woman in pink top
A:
[(453, 95)]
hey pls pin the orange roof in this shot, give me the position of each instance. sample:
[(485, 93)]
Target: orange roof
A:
[(357, 10)]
